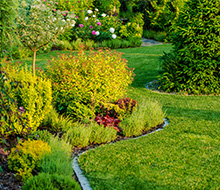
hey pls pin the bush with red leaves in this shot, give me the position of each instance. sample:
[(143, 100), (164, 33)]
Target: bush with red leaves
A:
[(108, 121)]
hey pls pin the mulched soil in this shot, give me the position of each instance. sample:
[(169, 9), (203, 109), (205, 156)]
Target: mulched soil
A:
[(8, 179)]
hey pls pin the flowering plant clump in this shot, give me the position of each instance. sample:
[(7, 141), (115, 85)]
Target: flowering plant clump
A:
[(97, 26), (39, 22)]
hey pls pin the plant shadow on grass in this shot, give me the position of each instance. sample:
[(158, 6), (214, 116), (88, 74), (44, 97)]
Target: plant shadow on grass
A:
[(195, 114)]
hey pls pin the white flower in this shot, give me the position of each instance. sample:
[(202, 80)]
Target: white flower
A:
[(114, 36), (86, 18), (89, 11), (112, 30), (97, 10), (103, 15), (94, 16), (56, 28), (63, 20), (73, 24), (54, 19), (97, 33), (62, 29), (68, 20)]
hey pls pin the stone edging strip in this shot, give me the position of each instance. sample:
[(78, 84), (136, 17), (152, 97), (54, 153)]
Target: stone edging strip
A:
[(79, 174)]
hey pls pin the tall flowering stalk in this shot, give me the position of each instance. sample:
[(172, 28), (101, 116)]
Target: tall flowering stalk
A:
[(39, 23)]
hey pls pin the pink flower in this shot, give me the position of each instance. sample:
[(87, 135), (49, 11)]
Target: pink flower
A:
[(76, 16), (64, 14), (56, 2), (93, 32), (67, 12), (49, 4), (54, 10), (99, 23), (66, 1), (78, 1), (44, 0), (91, 27), (81, 25), (81, 10)]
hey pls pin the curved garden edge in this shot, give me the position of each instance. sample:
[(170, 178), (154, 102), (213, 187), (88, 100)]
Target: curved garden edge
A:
[(83, 181)]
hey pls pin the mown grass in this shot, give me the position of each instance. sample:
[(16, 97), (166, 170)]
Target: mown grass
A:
[(185, 155)]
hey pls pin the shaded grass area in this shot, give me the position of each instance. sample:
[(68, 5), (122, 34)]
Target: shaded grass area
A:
[(185, 155)]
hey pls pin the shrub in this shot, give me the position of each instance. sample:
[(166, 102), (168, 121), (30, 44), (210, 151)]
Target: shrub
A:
[(78, 136), (148, 114), (59, 160), (47, 181), (108, 6), (33, 98), (63, 45), (82, 135), (55, 122), (43, 135), (82, 83), (196, 50), (25, 157), (101, 134)]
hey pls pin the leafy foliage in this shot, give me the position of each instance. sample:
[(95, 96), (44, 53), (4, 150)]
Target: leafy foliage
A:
[(7, 25), (81, 83), (25, 157), (196, 52), (31, 97), (110, 7)]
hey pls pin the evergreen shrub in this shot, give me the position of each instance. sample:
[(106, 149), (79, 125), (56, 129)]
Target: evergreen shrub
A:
[(196, 40)]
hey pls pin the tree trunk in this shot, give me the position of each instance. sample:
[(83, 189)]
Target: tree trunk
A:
[(34, 58)]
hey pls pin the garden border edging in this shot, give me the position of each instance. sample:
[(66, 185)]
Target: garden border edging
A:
[(83, 181)]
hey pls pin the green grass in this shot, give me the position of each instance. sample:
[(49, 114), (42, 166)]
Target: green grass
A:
[(185, 155)]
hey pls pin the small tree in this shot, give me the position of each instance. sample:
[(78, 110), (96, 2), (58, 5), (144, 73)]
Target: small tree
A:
[(39, 23)]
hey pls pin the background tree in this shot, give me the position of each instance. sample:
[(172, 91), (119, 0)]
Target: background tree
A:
[(7, 25), (39, 23), (194, 65)]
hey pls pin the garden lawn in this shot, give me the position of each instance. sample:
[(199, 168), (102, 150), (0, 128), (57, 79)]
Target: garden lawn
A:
[(185, 155)]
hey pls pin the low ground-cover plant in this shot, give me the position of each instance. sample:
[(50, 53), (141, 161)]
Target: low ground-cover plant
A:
[(48, 181), (148, 114), (196, 50), (59, 160), (32, 96), (82, 135), (84, 82), (25, 157)]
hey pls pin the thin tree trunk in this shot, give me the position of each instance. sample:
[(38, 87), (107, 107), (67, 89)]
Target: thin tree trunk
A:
[(34, 58)]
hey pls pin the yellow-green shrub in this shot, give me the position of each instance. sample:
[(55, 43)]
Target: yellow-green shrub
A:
[(32, 95), (84, 82), (26, 156)]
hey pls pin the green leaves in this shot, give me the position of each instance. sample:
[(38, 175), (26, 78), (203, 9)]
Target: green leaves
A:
[(196, 49)]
